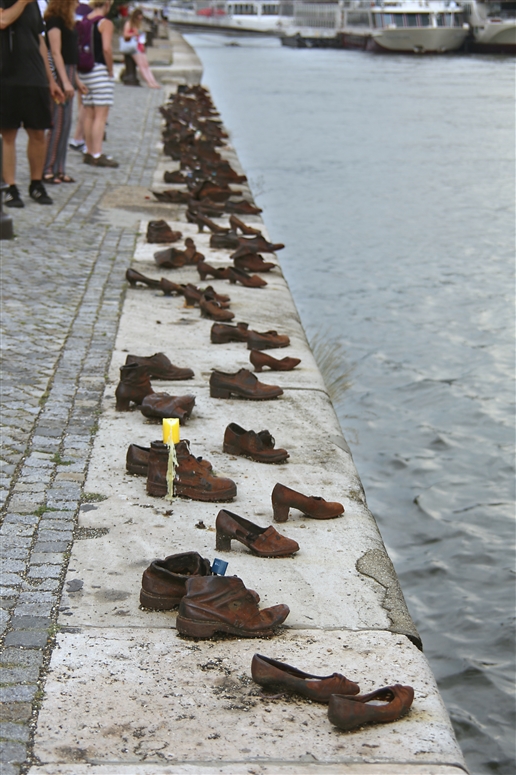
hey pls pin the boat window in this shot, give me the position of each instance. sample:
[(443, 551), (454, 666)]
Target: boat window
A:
[(424, 19), (244, 9), (270, 10), (411, 20), (387, 19), (398, 19), (357, 19)]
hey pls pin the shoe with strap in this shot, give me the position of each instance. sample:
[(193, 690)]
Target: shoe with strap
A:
[(38, 193)]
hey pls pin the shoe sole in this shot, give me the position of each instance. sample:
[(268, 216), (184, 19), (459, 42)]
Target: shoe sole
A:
[(227, 392), (184, 491), (208, 629), (230, 450), (158, 602)]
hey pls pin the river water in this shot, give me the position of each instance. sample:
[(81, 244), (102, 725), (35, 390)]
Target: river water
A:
[(391, 181)]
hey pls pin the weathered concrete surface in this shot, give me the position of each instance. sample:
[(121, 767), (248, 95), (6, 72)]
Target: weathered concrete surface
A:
[(139, 697), (125, 693)]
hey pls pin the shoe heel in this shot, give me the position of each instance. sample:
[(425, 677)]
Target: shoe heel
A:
[(216, 392), (202, 274), (280, 512), (122, 403), (195, 629), (222, 542)]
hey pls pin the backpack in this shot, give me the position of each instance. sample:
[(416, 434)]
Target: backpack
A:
[(85, 29)]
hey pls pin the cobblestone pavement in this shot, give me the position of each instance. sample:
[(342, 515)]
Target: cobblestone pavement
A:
[(62, 288)]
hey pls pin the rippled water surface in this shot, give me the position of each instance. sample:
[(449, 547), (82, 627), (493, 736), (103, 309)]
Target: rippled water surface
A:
[(391, 181)]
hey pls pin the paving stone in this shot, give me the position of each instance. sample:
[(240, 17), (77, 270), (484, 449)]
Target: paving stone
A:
[(30, 623), (44, 571), (50, 546), (47, 558), (27, 638), (11, 731), (26, 659), (12, 753), (18, 693)]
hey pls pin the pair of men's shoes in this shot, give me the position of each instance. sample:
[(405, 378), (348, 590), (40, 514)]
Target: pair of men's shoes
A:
[(207, 604), (37, 192), (135, 386), (347, 709), (172, 258), (268, 340)]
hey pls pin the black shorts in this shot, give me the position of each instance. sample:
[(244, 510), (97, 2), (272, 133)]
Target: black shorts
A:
[(27, 106)]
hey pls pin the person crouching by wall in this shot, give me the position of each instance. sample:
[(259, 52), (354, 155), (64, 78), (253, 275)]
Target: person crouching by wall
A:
[(132, 30), (62, 42), (100, 85)]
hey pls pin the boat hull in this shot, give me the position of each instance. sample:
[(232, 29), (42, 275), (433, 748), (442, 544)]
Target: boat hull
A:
[(494, 38), (429, 40)]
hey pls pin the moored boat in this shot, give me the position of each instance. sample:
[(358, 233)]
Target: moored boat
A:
[(493, 26)]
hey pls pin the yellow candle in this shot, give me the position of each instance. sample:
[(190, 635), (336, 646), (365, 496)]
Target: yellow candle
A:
[(171, 430)]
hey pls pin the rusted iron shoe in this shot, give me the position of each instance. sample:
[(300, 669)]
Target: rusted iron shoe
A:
[(240, 207), (243, 384), (267, 340), (238, 225), (160, 231), (174, 176), (221, 333), (171, 196), (256, 446), (192, 256), (133, 278), (193, 295), (253, 262), (193, 480), (212, 309), (161, 405), (281, 677), (262, 541), (236, 275), (164, 581), (351, 712), (284, 499), (260, 360), (137, 460), (207, 270), (255, 245), (134, 386), (223, 604), (227, 240), (202, 221), (157, 469), (170, 258), (170, 288), (159, 367)]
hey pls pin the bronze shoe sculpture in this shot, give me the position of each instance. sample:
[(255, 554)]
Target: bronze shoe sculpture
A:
[(193, 295), (207, 270), (137, 460), (160, 231), (191, 254), (256, 446), (226, 239), (223, 604), (268, 340), (220, 333), (236, 275), (133, 277), (241, 207), (238, 225), (253, 262), (134, 386), (281, 677), (172, 196), (202, 221), (284, 499), (170, 258), (243, 384), (193, 479), (164, 581), (159, 367), (262, 541), (351, 712), (170, 288), (260, 359), (157, 469), (162, 405), (212, 309)]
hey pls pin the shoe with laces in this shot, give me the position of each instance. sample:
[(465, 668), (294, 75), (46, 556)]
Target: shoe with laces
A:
[(12, 197), (103, 161), (38, 192)]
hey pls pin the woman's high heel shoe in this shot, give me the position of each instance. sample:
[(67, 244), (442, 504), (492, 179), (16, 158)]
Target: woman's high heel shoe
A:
[(236, 275), (253, 262), (262, 541), (237, 224), (212, 309), (133, 277), (260, 359), (284, 499), (203, 220), (352, 712), (206, 270)]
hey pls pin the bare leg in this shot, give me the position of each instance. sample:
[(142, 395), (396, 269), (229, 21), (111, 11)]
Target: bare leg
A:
[(79, 135), (36, 152), (9, 155), (144, 68), (94, 124)]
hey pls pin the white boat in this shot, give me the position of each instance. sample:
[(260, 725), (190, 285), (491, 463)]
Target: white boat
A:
[(493, 26), (409, 26), (255, 16)]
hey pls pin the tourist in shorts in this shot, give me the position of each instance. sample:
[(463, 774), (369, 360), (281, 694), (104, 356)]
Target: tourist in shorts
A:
[(100, 84), (26, 87)]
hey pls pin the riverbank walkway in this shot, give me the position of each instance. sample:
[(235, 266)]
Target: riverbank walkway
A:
[(90, 682)]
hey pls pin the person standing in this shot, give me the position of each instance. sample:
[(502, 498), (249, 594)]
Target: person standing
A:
[(99, 83), (62, 38), (132, 29), (26, 87)]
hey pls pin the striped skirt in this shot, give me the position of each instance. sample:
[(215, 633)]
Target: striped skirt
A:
[(100, 87)]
